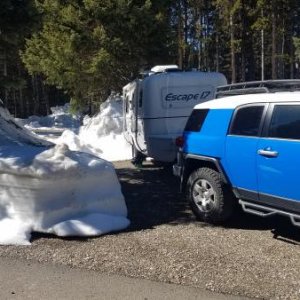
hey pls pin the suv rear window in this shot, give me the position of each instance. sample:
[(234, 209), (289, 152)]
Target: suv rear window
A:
[(247, 121), (196, 120), (285, 122)]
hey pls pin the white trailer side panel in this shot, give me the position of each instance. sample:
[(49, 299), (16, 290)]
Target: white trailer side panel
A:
[(168, 100)]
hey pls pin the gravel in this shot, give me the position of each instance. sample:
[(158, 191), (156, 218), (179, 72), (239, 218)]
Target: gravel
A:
[(250, 256)]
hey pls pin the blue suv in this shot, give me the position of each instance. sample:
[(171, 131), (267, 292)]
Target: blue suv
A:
[(242, 149)]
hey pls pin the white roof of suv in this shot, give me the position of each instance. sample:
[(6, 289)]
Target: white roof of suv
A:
[(231, 102)]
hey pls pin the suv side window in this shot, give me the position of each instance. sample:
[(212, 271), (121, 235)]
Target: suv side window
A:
[(247, 120), (196, 120), (285, 122)]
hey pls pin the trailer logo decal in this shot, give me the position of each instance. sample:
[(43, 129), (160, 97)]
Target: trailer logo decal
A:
[(187, 97)]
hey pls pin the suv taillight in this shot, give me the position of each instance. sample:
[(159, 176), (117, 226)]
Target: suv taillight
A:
[(179, 142)]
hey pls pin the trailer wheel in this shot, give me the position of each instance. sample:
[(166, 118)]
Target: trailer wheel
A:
[(209, 197)]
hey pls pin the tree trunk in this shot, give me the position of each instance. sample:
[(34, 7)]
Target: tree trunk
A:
[(5, 73), (273, 59), (179, 37), (282, 62), (199, 28), (232, 50), (36, 94), (292, 61), (22, 106), (185, 49), (262, 55), (20, 95), (217, 53), (15, 104), (243, 45), (46, 98)]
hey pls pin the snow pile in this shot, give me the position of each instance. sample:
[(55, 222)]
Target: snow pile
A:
[(108, 121), (59, 119), (102, 134), (11, 133), (51, 189)]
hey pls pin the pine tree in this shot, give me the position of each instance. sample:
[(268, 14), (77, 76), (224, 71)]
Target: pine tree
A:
[(16, 20), (92, 47)]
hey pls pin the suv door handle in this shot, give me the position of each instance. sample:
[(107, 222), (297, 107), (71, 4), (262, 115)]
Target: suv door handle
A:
[(267, 153)]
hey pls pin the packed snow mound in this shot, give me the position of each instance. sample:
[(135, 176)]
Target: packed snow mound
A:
[(101, 135), (108, 121), (60, 118), (51, 189), (12, 134)]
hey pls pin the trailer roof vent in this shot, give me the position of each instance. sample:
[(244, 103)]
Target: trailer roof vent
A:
[(164, 68)]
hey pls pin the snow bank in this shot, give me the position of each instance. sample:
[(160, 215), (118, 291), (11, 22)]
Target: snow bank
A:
[(102, 134), (59, 119), (51, 189)]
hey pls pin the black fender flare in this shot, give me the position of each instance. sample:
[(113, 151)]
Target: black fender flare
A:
[(213, 160)]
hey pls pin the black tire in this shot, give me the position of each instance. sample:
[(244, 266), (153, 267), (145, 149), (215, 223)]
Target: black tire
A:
[(209, 197)]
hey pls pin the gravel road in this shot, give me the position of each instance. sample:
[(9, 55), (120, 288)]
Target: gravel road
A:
[(251, 256)]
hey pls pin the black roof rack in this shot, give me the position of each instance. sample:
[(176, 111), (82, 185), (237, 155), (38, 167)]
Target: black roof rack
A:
[(255, 87)]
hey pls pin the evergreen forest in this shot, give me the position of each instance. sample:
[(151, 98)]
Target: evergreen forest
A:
[(53, 51)]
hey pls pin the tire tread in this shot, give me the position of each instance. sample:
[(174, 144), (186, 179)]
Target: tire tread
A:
[(225, 198)]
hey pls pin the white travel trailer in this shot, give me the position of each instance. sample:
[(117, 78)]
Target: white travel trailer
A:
[(156, 108)]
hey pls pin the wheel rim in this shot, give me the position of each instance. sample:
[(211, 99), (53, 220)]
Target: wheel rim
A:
[(203, 195)]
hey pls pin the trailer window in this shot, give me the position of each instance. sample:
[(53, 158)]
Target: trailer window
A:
[(196, 120)]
